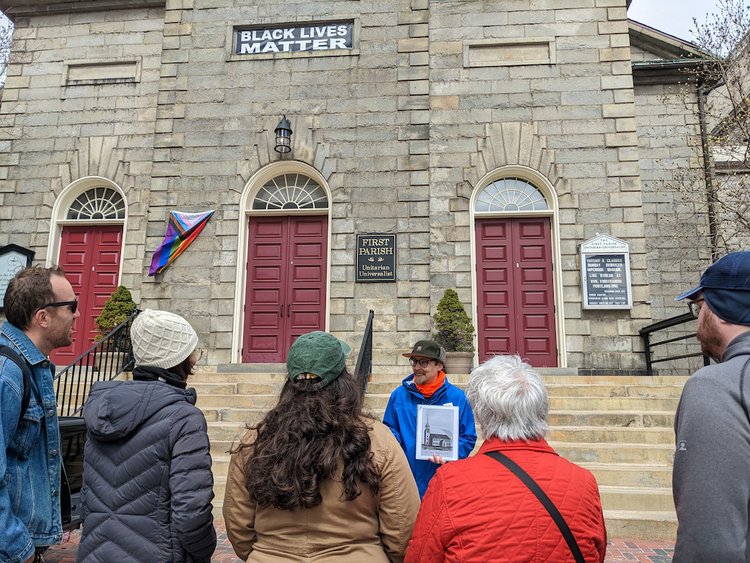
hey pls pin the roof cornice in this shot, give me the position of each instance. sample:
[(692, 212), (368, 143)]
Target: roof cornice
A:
[(662, 44)]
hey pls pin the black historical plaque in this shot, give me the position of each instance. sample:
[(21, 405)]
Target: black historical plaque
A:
[(376, 258), (12, 259)]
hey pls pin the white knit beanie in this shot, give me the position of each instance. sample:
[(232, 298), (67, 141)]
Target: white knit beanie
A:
[(161, 339)]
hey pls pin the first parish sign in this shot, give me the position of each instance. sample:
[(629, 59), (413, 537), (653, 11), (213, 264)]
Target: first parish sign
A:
[(293, 38)]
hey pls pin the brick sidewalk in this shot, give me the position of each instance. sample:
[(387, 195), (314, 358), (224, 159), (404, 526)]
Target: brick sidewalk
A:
[(618, 550)]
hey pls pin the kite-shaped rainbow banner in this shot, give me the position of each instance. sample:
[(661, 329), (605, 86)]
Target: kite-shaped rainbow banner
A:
[(181, 232)]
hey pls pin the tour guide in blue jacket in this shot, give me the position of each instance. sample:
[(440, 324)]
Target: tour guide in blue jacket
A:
[(428, 385)]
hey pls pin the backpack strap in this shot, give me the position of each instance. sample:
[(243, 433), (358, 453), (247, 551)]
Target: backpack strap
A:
[(23, 365)]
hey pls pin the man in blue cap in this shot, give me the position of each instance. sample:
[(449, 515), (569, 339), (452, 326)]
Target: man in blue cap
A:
[(711, 478)]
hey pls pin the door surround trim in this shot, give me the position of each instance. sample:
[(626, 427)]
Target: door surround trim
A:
[(253, 185), (548, 191), (60, 209)]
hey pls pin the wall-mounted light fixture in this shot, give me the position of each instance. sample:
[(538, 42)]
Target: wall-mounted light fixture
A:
[(283, 136)]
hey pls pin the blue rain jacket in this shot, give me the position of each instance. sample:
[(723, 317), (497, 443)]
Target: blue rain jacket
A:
[(401, 418)]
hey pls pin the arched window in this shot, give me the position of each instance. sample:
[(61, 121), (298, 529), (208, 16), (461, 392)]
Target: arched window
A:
[(510, 195), (290, 192), (97, 204)]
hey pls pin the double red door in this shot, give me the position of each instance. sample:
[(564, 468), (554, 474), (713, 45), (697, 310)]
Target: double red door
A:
[(90, 257), (286, 284), (516, 291)]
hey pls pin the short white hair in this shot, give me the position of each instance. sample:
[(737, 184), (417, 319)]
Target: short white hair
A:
[(509, 399)]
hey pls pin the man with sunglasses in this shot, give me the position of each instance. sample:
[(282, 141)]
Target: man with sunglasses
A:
[(711, 477), (427, 385), (40, 309)]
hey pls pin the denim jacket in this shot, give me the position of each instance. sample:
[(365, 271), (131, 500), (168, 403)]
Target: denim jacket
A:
[(29, 454)]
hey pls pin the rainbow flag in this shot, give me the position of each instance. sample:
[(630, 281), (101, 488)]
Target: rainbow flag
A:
[(181, 232)]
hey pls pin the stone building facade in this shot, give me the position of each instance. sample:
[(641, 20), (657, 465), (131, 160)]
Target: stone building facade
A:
[(492, 138)]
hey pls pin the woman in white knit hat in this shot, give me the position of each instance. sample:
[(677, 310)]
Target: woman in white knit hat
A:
[(147, 468)]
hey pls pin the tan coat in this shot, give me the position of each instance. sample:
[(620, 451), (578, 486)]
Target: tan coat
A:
[(367, 529)]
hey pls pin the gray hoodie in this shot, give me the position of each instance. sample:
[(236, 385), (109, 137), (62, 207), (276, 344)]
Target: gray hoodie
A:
[(147, 475), (711, 478)]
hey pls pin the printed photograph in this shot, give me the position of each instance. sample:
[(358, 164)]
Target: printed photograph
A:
[(437, 432)]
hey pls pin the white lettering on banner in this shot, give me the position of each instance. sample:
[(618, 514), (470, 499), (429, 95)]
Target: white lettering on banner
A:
[(294, 39), (252, 49)]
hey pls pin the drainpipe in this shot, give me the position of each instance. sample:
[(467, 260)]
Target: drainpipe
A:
[(713, 231)]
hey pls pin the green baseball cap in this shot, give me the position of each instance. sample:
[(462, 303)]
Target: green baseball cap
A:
[(428, 349), (317, 353)]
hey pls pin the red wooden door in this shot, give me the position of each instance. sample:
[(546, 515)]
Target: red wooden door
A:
[(90, 257), (516, 293), (286, 284)]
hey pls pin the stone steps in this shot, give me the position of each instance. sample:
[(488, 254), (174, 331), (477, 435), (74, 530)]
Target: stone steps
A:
[(619, 427)]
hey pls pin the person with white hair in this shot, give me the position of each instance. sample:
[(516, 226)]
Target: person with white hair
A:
[(516, 499)]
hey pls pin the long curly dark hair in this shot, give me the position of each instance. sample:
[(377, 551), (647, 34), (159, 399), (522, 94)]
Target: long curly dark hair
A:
[(306, 439)]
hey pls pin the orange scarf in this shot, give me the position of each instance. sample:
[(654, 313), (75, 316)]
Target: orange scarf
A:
[(429, 388)]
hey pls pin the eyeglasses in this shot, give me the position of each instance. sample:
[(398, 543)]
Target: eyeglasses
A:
[(422, 363), (72, 305), (200, 355), (695, 306)]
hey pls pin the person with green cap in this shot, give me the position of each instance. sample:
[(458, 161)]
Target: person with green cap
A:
[(316, 480), (428, 385)]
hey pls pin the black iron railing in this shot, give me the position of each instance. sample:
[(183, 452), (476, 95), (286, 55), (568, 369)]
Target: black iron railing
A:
[(104, 361), (364, 359), (688, 336)]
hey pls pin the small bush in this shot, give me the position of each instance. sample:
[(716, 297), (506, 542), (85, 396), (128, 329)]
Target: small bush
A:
[(116, 309), (454, 330)]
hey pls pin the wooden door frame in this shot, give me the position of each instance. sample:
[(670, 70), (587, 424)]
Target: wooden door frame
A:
[(59, 217), (252, 187), (548, 191), (59, 220)]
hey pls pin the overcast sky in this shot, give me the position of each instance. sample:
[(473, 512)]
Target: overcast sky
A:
[(672, 16)]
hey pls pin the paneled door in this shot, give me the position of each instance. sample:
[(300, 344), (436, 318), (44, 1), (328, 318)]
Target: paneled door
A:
[(286, 284), (90, 256), (516, 302)]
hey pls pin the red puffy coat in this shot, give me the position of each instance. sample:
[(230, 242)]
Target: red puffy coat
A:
[(476, 510)]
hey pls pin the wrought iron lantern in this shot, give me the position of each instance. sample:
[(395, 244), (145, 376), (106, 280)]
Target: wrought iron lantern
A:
[(283, 136)]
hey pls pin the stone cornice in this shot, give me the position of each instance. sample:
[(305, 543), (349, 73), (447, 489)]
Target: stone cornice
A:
[(28, 8)]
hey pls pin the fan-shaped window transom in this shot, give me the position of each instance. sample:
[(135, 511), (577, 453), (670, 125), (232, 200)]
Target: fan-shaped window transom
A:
[(290, 192), (510, 195), (97, 204)]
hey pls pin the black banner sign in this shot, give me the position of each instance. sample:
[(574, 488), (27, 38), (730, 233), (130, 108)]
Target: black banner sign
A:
[(294, 38), (376, 258)]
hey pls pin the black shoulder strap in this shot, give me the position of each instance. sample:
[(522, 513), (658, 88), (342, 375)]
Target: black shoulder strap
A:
[(24, 366), (544, 499)]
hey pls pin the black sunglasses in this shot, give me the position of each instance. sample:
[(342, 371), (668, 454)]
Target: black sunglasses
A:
[(73, 305)]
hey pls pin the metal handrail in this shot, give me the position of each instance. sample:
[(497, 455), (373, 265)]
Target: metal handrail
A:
[(364, 359), (104, 361), (648, 345)]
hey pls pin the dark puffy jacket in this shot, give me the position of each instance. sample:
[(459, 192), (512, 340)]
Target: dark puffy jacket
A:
[(147, 475)]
